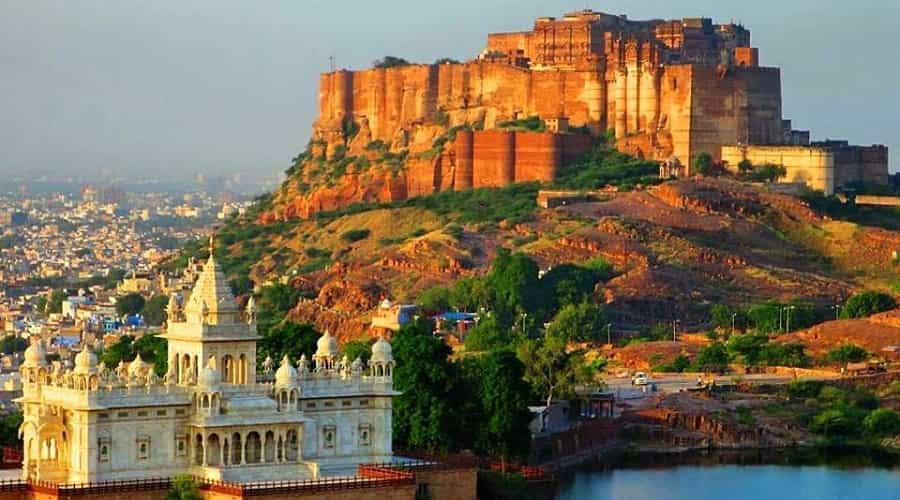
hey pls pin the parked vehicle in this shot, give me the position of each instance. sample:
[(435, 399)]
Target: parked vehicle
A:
[(640, 378)]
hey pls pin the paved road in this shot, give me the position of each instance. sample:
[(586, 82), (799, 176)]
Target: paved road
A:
[(671, 382)]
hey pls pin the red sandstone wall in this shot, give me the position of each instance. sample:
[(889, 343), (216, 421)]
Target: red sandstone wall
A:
[(494, 158), (463, 178), (538, 156)]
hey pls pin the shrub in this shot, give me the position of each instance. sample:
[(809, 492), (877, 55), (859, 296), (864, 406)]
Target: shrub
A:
[(847, 353), (744, 415), (712, 358), (866, 304), (882, 422), (355, 235), (678, 365), (703, 164), (805, 388), (836, 422), (603, 166), (532, 124)]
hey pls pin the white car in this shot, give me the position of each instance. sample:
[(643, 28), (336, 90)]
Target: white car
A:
[(640, 378)]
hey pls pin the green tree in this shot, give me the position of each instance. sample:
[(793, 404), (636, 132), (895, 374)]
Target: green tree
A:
[(152, 348), (578, 323), (54, 303), (551, 371), (289, 338), (703, 164), (425, 415), (568, 284), (837, 422), (11, 344), (866, 304), (361, 349), (745, 166), (9, 429), (122, 350), (514, 278), (436, 299), (113, 278), (847, 353), (747, 348), (390, 62), (154, 310), (129, 304), (882, 422), (792, 354), (184, 488), (504, 401), (488, 334), (712, 358)]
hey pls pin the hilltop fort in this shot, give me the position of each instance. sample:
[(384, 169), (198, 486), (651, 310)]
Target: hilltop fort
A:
[(532, 101)]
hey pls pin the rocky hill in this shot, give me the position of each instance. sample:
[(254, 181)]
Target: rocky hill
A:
[(677, 248)]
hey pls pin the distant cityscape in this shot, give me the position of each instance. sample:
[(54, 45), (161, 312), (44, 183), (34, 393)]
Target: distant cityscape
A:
[(65, 259)]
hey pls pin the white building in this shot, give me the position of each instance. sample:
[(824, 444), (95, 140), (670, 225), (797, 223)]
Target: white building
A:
[(208, 416)]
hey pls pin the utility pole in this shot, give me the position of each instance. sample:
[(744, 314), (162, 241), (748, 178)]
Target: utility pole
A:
[(788, 328), (733, 319), (675, 330), (608, 336)]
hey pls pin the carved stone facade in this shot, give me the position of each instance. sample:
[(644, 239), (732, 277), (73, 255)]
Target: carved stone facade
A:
[(208, 416)]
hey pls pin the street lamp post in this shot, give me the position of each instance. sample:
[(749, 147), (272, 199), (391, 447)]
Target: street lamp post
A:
[(788, 326), (608, 336), (733, 318), (675, 330)]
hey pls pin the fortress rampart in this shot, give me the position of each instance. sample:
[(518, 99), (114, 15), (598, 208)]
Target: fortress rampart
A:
[(666, 89)]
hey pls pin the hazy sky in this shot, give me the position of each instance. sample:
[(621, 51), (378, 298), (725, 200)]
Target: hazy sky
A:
[(178, 87)]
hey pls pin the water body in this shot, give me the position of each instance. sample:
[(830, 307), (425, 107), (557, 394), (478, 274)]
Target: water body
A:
[(737, 477)]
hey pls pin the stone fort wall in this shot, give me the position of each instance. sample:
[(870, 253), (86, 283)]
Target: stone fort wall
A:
[(699, 107)]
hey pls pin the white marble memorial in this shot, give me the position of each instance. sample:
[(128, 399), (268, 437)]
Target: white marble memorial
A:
[(208, 416)]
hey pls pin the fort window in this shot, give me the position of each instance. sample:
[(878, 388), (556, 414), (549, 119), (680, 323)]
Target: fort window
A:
[(103, 416), (142, 414), (363, 402), (122, 414), (329, 404), (346, 403), (179, 412), (310, 405), (161, 413)]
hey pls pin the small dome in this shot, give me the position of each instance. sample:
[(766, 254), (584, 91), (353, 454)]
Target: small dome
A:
[(286, 374), (209, 378), (327, 346), (138, 367), (35, 355), (86, 361), (382, 352)]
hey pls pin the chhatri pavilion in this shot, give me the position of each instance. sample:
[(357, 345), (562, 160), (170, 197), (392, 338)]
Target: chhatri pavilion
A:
[(208, 416)]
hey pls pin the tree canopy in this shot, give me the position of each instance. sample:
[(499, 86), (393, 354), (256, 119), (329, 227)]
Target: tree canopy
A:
[(866, 304), (129, 304), (424, 414), (390, 62)]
